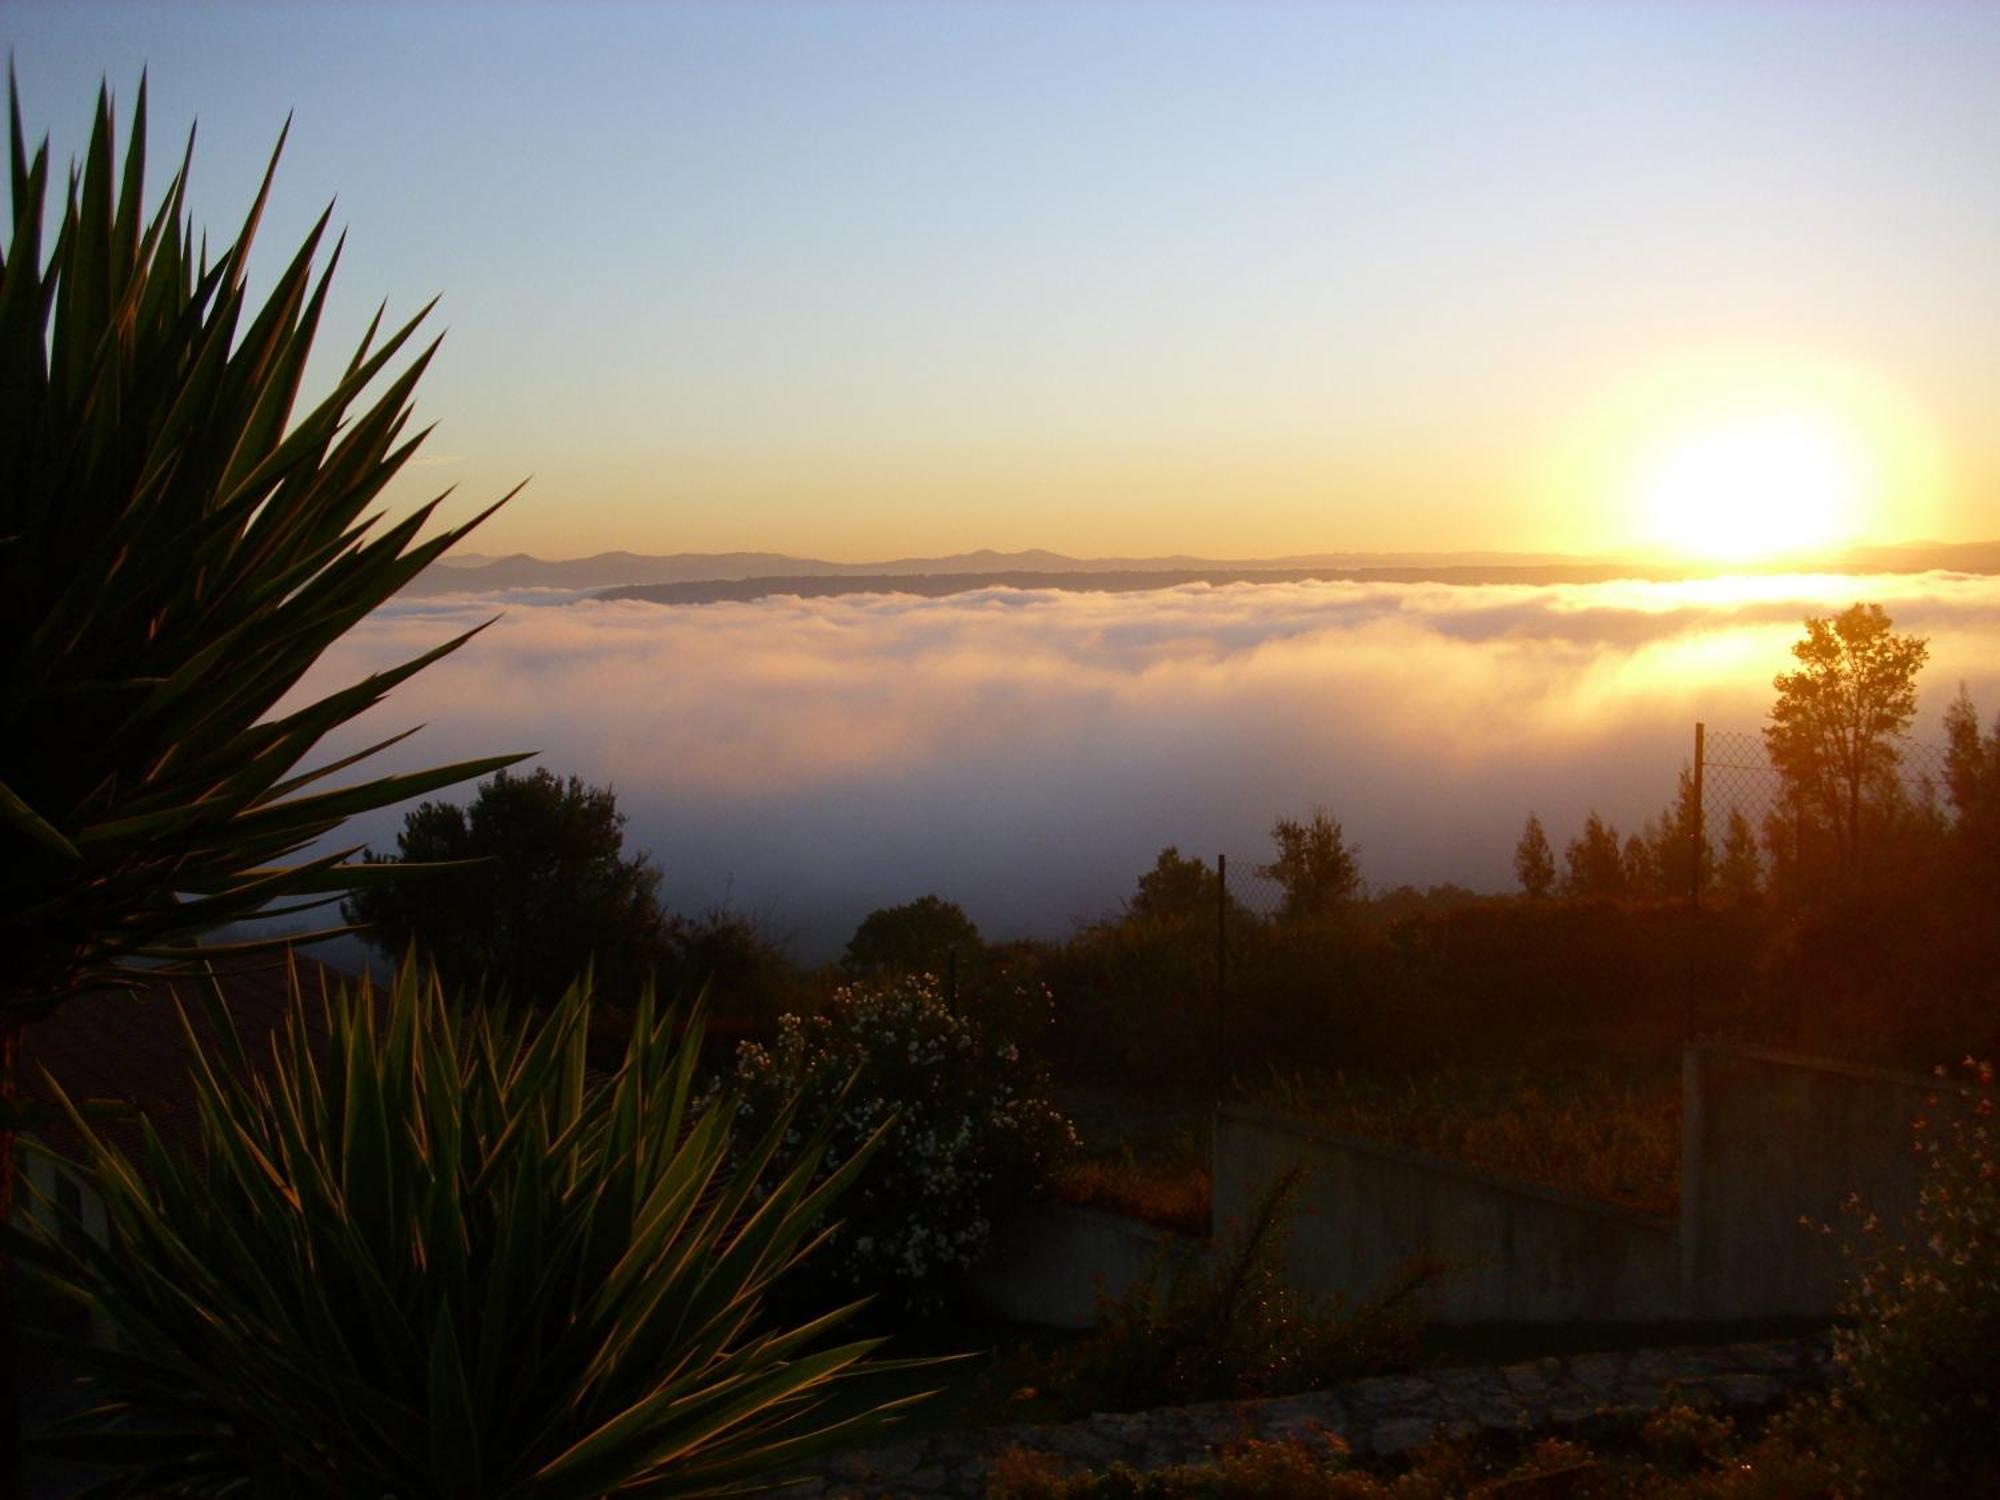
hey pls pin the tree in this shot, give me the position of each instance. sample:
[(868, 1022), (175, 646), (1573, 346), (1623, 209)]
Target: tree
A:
[(1972, 783), (1596, 861), (1740, 872), (917, 937), (1535, 861), (551, 892), (1317, 870), (177, 548), (1833, 730), (1673, 842), (1177, 889)]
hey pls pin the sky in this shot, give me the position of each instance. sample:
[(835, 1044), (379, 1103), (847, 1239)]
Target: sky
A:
[(1027, 753), (863, 281)]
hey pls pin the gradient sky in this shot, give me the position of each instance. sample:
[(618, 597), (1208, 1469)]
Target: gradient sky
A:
[(873, 280)]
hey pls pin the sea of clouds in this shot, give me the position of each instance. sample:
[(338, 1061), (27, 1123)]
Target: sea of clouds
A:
[(1027, 753)]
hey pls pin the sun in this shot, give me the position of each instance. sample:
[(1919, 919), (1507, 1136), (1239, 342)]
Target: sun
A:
[(1757, 485)]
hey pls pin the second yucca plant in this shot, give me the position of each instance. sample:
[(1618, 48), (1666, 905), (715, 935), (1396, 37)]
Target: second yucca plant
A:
[(443, 1259)]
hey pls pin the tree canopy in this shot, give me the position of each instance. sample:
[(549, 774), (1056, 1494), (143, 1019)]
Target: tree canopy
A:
[(917, 937), (1318, 872), (1833, 729), (1534, 860), (548, 890)]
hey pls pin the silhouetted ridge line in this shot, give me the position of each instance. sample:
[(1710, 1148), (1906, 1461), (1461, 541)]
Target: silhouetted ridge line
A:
[(939, 585)]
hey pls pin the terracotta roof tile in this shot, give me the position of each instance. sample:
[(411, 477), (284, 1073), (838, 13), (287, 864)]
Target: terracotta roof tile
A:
[(128, 1046)]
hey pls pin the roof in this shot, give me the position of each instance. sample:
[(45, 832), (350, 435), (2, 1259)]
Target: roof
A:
[(128, 1045)]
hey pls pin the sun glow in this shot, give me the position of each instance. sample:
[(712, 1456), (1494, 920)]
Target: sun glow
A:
[(1759, 485), (1741, 459)]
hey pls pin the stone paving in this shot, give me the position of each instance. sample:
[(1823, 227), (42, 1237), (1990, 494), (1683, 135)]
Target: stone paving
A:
[(1379, 1417)]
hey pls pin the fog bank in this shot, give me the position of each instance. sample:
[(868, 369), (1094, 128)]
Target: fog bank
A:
[(1027, 753)]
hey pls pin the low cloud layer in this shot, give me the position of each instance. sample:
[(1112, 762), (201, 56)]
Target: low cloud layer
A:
[(1027, 753)]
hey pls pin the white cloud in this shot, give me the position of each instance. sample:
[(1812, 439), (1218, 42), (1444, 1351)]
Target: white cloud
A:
[(1026, 753)]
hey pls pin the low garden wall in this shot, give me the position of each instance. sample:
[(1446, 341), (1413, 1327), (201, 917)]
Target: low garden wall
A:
[(1048, 1266), (1768, 1140), (1516, 1252)]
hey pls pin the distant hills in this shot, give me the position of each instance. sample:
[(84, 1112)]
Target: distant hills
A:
[(711, 577)]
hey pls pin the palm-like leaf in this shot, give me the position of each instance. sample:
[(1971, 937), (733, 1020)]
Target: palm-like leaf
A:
[(443, 1260), (177, 547)]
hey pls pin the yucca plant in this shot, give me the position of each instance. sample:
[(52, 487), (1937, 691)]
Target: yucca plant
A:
[(175, 551), (445, 1259)]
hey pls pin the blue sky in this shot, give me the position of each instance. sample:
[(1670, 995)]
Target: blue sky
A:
[(863, 280)]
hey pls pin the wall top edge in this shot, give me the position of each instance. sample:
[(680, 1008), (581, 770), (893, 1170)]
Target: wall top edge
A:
[(1444, 1166)]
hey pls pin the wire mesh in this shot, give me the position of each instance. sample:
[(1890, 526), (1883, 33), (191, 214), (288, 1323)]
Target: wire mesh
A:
[(1760, 830)]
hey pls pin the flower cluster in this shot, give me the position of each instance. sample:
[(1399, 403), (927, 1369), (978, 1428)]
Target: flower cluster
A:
[(970, 1133), (1921, 1350)]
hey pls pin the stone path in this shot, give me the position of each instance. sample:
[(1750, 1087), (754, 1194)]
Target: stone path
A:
[(1381, 1416)]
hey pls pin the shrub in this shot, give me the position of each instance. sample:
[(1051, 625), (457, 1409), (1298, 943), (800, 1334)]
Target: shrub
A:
[(1920, 1359), (1233, 1327), (442, 1259), (968, 1132), (544, 889)]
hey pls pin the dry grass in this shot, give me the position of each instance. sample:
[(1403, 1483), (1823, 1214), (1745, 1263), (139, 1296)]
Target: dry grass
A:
[(1604, 1134), (1172, 1193)]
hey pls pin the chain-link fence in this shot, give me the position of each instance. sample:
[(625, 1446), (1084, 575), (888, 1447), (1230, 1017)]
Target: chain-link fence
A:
[(1765, 831)]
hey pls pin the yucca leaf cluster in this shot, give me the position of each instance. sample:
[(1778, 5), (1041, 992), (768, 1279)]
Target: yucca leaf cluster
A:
[(177, 547), (437, 1255)]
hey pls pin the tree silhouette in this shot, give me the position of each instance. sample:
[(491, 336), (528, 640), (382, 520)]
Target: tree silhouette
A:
[(1833, 730), (1314, 866), (550, 891), (1596, 861), (1534, 860), (1740, 871), (915, 938), (1177, 889), (1972, 782), (1673, 843)]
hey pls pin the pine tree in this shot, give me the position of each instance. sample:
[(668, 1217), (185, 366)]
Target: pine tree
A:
[(1535, 861)]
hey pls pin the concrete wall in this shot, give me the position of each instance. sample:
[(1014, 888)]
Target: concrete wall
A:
[(1519, 1253), (1048, 1266), (1767, 1139)]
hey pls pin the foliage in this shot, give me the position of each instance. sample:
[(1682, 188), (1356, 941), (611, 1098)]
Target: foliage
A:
[(733, 962), (546, 890), (1919, 1358), (967, 1130), (443, 1259), (1233, 1326), (175, 551), (1179, 890), (1596, 863), (1834, 725), (1972, 784), (1739, 874), (1597, 1131), (1534, 860), (917, 937), (1317, 871), (1171, 1193)]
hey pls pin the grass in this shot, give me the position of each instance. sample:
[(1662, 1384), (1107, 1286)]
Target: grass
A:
[(1170, 1192), (1601, 1132)]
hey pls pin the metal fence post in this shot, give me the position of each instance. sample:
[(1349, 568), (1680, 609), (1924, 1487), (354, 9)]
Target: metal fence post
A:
[(1221, 974), (1700, 835)]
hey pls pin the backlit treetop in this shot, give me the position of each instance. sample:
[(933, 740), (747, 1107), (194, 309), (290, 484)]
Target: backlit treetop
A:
[(1833, 730)]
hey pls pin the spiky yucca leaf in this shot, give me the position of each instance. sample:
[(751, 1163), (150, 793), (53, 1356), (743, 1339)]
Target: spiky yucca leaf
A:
[(177, 547), (443, 1259)]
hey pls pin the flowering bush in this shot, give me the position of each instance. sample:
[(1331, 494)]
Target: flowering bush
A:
[(971, 1135), (1921, 1355)]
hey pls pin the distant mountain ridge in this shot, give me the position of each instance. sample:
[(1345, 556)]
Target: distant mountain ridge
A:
[(630, 572)]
